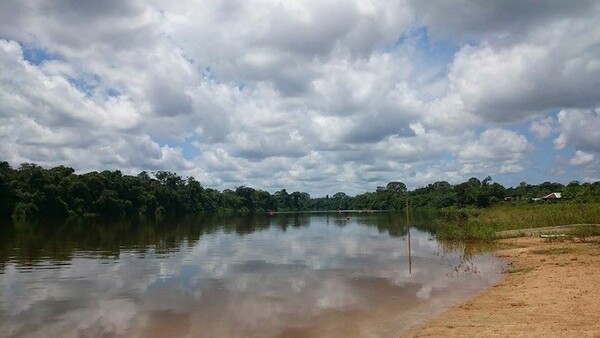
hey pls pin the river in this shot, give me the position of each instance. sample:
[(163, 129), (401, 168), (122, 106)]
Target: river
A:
[(293, 275)]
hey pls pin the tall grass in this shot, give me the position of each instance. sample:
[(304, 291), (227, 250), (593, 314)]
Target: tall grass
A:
[(584, 231), (482, 224), (469, 231), (510, 217)]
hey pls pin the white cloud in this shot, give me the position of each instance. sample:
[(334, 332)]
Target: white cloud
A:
[(511, 169), (582, 158), (497, 144), (579, 128), (542, 128), (551, 67), (298, 94)]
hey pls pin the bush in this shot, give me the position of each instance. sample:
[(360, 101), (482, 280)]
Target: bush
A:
[(454, 215), (25, 210)]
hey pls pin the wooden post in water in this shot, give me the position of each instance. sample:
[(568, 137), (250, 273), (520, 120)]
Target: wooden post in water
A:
[(409, 250)]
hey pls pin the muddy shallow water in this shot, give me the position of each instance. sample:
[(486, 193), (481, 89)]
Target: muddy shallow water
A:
[(285, 275)]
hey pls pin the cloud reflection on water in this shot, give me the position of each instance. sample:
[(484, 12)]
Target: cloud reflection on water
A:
[(261, 283)]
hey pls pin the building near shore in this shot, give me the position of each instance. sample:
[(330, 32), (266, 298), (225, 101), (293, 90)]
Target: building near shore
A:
[(552, 196)]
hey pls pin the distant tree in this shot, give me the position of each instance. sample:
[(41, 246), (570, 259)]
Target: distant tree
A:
[(398, 187), (282, 200), (7, 195)]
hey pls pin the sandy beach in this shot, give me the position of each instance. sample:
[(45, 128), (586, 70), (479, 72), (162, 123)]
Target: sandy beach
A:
[(552, 289)]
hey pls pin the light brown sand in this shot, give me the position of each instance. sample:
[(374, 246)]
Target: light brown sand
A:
[(551, 290)]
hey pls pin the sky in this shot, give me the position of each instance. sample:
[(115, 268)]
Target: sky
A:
[(314, 96)]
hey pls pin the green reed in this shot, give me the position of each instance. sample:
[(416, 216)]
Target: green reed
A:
[(472, 224)]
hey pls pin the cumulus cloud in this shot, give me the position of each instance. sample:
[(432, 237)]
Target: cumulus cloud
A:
[(579, 128), (296, 94), (542, 128), (472, 19), (582, 158), (48, 120), (497, 144), (508, 84), (495, 151), (544, 67)]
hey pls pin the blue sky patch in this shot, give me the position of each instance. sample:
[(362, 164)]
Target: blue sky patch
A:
[(37, 56)]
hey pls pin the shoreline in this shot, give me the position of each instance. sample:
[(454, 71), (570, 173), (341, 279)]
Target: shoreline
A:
[(559, 229), (551, 289)]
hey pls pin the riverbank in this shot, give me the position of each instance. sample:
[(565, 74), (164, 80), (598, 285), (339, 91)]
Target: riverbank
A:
[(551, 289), (501, 221)]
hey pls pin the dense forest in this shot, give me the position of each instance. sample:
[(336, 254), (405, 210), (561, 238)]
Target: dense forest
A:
[(32, 190)]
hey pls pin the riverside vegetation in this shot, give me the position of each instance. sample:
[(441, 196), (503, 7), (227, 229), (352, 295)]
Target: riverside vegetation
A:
[(470, 224), (471, 210)]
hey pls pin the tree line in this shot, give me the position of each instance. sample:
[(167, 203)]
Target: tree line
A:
[(32, 190)]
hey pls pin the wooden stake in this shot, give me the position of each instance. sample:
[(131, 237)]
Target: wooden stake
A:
[(409, 250)]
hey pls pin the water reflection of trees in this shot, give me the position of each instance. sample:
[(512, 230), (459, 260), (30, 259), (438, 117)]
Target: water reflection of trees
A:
[(35, 242), (394, 223), (296, 220), (465, 252), (29, 243)]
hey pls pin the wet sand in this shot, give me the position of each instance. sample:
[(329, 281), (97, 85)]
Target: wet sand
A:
[(551, 289)]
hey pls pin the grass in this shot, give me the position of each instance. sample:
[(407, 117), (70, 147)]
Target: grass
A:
[(511, 217), (483, 224), (584, 231), (468, 231), (519, 270), (553, 251)]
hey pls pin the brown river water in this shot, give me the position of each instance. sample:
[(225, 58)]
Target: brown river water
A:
[(306, 275)]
